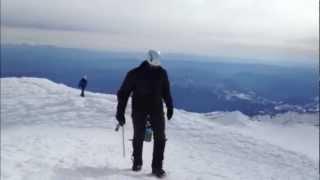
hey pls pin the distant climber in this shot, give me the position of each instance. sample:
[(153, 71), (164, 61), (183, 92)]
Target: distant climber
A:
[(83, 84), (149, 86)]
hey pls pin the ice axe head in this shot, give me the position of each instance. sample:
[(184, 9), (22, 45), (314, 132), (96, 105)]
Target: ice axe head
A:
[(117, 127)]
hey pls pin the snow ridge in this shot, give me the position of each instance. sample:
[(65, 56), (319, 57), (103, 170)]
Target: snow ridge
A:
[(49, 132)]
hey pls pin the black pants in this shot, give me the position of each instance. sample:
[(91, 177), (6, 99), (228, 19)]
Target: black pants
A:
[(158, 126), (82, 92)]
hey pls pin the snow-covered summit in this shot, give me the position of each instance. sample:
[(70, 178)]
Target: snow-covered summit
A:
[(49, 132)]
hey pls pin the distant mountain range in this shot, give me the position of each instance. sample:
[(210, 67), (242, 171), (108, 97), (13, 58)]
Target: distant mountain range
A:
[(198, 84)]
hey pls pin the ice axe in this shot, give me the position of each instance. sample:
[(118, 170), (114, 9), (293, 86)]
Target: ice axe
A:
[(123, 144)]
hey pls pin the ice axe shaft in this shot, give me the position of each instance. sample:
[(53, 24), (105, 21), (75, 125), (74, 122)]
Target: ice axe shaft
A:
[(123, 143)]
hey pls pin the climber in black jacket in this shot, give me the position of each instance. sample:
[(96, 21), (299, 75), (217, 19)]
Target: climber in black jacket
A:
[(83, 84), (149, 86)]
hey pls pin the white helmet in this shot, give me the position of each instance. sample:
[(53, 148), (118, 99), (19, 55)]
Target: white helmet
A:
[(153, 57)]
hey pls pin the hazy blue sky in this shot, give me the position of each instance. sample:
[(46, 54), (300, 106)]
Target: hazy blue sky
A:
[(268, 30)]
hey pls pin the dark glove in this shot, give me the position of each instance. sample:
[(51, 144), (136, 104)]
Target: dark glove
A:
[(169, 113), (121, 119)]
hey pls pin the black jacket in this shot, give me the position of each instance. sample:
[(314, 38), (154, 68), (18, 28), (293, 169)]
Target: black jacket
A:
[(83, 83), (149, 86)]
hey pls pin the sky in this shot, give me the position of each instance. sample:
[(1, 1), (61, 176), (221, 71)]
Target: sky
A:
[(275, 31)]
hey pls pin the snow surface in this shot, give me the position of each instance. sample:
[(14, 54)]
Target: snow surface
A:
[(49, 132)]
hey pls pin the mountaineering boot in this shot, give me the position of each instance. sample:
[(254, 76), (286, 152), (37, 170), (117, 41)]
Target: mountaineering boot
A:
[(136, 167), (158, 173)]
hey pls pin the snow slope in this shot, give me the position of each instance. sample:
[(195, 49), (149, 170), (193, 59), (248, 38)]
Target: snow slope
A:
[(49, 132)]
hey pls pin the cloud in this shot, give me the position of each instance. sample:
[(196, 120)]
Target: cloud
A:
[(263, 28)]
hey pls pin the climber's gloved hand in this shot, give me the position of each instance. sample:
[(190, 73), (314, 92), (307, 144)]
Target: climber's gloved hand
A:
[(121, 119), (169, 113)]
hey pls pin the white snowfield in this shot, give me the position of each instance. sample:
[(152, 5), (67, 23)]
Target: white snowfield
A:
[(48, 132)]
